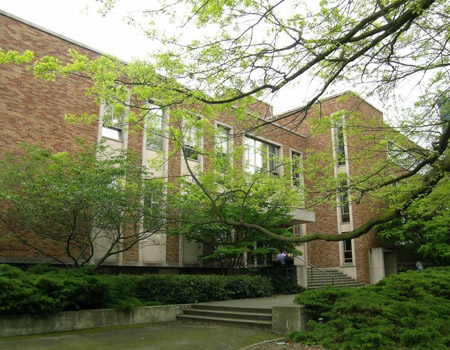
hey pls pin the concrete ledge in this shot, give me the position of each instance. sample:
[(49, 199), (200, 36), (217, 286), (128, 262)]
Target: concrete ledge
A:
[(288, 318), (85, 319)]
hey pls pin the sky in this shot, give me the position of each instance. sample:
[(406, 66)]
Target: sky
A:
[(79, 20)]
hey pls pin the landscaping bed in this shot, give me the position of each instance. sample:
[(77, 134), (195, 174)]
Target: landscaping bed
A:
[(45, 290), (406, 311), (283, 345)]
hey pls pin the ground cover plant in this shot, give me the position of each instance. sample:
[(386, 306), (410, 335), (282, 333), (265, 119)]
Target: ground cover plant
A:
[(47, 290), (406, 311)]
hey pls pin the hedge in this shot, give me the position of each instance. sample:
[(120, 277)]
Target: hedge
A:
[(46, 290), (406, 311)]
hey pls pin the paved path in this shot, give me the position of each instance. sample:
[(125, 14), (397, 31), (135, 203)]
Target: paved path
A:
[(159, 336), (279, 300)]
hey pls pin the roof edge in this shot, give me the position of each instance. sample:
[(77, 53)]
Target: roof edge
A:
[(293, 110)]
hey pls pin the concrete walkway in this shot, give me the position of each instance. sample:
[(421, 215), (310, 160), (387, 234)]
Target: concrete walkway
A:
[(160, 336), (269, 302)]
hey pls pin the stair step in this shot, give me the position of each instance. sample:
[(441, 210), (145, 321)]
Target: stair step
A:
[(335, 281), (330, 277), (337, 286), (258, 323), (232, 308), (336, 278), (228, 314)]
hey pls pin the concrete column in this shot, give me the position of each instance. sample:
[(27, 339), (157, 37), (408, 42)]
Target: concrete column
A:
[(288, 318), (376, 263)]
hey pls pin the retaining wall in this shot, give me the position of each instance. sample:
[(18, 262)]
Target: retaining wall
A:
[(85, 319)]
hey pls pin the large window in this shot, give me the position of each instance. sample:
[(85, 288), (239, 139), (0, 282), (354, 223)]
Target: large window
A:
[(261, 156), (155, 129), (222, 140), (295, 168), (344, 203), (348, 255), (153, 210), (400, 156), (191, 142), (112, 119), (339, 144)]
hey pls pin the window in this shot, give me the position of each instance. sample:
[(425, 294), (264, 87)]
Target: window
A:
[(295, 168), (112, 118), (339, 144), (155, 129), (191, 142), (153, 212), (400, 156), (344, 203), (222, 139), (297, 230), (261, 156), (348, 255)]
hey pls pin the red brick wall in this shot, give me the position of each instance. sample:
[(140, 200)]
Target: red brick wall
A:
[(325, 254), (32, 110)]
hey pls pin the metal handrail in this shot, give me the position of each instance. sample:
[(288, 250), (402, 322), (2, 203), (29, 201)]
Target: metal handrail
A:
[(318, 268)]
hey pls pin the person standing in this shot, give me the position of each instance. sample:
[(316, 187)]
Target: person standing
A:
[(281, 257), (419, 265)]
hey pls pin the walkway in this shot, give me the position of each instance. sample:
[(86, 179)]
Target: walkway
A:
[(160, 336), (279, 300)]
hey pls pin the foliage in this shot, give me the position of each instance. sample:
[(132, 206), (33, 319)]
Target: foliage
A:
[(250, 49), (406, 311), (87, 205), (60, 289), (284, 282), (424, 228), (179, 289), (257, 199)]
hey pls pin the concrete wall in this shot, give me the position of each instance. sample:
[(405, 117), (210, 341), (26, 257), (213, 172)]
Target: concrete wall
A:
[(76, 320), (288, 318)]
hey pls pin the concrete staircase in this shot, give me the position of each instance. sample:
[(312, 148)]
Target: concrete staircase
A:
[(257, 317), (321, 280)]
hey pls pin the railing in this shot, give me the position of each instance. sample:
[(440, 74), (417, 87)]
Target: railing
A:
[(318, 268)]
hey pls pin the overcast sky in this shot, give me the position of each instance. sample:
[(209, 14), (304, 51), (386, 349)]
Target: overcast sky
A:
[(78, 20)]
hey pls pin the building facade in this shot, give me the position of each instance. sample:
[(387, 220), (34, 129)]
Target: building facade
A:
[(32, 110)]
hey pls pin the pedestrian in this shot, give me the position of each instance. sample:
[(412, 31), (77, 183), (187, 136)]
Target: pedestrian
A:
[(419, 265), (281, 257)]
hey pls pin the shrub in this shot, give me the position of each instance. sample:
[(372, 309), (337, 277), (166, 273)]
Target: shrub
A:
[(181, 289), (16, 291), (284, 283), (407, 311), (46, 289)]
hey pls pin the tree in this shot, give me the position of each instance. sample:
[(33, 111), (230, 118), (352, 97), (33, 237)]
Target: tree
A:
[(259, 199), (87, 206), (424, 228), (254, 48)]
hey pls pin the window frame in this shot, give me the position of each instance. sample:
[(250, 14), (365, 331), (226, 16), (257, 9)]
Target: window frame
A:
[(116, 127), (269, 162), (347, 249), (344, 203), (155, 136), (296, 156), (339, 141), (226, 140), (189, 147)]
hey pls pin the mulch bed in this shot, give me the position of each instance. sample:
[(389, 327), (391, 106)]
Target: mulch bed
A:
[(282, 344)]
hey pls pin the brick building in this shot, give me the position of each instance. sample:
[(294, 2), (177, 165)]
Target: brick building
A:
[(31, 111)]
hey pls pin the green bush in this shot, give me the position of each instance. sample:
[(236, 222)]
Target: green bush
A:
[(16, 291), (407, 311), (46, 289), (181, 289), (284, 281)]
